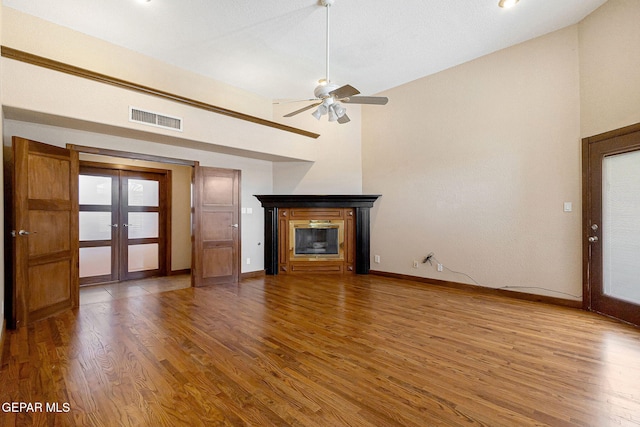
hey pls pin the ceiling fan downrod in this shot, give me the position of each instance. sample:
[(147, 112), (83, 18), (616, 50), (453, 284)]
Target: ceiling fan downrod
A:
[(328, 96), (327, 4)]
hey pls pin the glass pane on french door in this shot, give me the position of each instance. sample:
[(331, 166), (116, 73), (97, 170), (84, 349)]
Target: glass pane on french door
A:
[(94, 190), (143, 224), (96, 227), (621, 226), (144, 192), (95, 261), (143, 257)]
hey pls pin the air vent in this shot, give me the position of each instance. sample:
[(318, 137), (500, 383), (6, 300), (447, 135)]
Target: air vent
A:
[(155, 119)]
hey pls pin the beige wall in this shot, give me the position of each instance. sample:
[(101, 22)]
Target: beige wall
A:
[(475, 163), (609, 67), (337, 165)]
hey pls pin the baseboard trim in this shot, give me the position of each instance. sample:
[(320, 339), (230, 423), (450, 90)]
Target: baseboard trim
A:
[(483, 290), (252, 274)]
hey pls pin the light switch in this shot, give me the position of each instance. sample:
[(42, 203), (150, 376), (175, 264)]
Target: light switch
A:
[(568, 206)]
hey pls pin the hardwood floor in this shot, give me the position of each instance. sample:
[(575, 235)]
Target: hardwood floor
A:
[(323, 351), (110, 291)]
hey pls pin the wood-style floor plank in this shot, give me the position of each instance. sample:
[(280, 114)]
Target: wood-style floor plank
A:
[(322, 351)]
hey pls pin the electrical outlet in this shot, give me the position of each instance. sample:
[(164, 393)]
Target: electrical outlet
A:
[(248, 260), (440, 267), (376, 259), (415, 264)]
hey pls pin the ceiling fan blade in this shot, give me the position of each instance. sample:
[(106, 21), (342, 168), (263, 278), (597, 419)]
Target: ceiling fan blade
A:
[(374, 100), (344, 92), (344, 119), (308, 107)]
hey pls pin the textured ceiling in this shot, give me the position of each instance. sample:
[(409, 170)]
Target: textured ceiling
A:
[(276, 48)]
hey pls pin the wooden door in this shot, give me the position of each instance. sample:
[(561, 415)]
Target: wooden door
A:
[(98, 201), (216, 233), (144, 206), (45, 247), (612, 224)]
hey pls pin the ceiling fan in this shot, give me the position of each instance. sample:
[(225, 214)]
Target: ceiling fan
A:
[(329, 95)]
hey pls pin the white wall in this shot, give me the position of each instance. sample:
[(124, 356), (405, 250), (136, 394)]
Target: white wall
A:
[(609, 64), (475, 163)]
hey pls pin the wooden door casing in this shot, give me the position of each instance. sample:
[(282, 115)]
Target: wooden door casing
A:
[(216, 234), (45, 247)]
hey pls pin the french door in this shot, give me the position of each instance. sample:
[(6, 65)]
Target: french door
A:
[(123, 222), (612, 224)]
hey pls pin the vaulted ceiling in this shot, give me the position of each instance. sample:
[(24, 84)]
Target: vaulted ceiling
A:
[(277, 48)]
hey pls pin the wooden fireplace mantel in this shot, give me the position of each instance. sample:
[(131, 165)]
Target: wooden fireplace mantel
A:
[(360, 203)]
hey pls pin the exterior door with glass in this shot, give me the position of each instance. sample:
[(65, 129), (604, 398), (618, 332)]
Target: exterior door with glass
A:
[(612, 224), (123, 223)]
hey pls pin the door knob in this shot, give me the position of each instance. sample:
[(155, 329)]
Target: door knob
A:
[(593, 239), (234, 225), (25, 232)]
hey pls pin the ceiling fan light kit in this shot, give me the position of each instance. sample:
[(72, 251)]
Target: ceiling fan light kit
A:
[(506, 4), (328, 95)]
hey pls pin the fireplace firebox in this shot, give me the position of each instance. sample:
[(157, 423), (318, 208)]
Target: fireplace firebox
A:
[(317, 234), (316, 240)]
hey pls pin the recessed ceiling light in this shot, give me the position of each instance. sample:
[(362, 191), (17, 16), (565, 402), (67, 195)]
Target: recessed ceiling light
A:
[(506, 4)]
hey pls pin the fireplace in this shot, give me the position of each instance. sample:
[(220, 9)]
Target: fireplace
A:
[(316, 240), (317, 234)]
